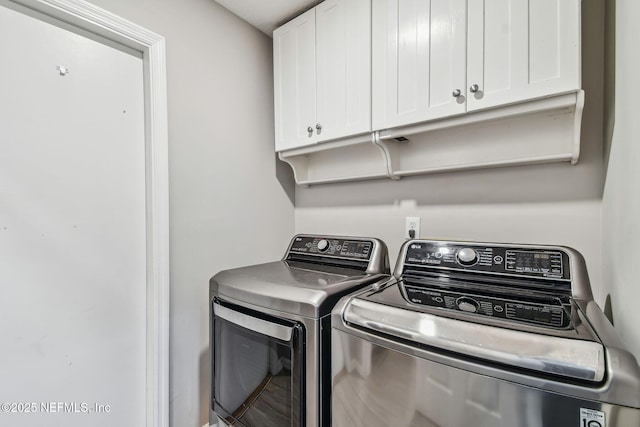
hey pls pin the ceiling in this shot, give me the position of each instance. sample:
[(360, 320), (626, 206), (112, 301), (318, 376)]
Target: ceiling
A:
[(267, 15)]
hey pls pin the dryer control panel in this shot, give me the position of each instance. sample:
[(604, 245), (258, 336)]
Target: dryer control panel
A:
[(333, 247)]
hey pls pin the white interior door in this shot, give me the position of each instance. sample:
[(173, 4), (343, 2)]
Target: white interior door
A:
[(73, 262)]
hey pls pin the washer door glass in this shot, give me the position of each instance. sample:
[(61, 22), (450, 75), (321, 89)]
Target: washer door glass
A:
[(257, 368)]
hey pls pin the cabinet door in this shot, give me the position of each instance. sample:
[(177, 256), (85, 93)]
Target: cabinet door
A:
[(419, 60), (295, 82), (522, 49), (343, 66)]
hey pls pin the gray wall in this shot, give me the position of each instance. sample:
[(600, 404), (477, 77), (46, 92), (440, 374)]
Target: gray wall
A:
[(554, 203), (621, 200), (223, 187)]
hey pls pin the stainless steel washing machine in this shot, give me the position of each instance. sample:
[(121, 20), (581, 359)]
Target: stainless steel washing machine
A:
[(483, 335), (271, 331)]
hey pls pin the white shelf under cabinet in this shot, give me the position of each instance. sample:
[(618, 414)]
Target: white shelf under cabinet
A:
[(540, 131), (355, 158)]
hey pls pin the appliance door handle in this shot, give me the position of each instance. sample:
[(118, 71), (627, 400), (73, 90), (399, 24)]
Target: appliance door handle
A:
[(572, 358), (261, 326)]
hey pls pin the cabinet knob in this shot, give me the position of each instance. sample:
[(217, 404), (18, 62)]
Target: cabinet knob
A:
[(310, 130), (456, 93), (318, 128), (474, 88)]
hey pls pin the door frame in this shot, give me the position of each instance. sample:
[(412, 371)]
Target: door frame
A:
[(93, 19)]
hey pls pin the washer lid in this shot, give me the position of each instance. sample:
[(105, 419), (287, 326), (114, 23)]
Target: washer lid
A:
[(300, 288)]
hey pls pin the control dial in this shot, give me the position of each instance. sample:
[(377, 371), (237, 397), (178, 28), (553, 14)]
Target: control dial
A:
[(323, 245), (467, 256), (467, 304)]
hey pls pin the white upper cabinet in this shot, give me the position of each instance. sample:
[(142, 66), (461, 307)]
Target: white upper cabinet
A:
[(439, 58), (521, 49), (392, 88), (294, 59), (322, 74), (343, 64), (418, 60)]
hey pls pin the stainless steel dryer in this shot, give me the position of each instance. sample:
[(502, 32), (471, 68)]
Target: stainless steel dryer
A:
[(270, 330), (483, 335)]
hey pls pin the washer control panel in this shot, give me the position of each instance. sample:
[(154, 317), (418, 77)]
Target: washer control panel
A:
[(530, 284), (332, 247), (521, 261)]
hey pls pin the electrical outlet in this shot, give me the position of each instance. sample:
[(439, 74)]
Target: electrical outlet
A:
[(412, 227)]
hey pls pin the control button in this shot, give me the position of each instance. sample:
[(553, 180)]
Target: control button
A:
[(437, 299), (467, 256), (497, 259), (498, 308), (323, 245), (467, 304), (438, 254)]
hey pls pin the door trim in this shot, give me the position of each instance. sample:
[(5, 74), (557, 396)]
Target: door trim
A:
[(88, 17)]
